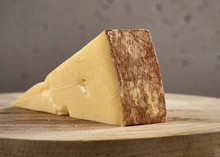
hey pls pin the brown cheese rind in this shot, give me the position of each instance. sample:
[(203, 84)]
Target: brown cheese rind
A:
[(140, 83)]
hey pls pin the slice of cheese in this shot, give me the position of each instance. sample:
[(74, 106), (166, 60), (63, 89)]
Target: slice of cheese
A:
[(114, 79)]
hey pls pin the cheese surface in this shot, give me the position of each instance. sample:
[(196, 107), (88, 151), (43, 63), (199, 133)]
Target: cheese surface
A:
[(106, 81), (84, 86)]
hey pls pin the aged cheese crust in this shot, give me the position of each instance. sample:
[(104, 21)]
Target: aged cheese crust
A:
[(140, 83)]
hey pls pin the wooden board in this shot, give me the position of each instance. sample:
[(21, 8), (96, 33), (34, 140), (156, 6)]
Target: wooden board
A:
[(192, 129)]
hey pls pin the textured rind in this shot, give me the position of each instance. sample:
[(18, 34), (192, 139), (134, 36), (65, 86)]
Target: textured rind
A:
[(140, 83)]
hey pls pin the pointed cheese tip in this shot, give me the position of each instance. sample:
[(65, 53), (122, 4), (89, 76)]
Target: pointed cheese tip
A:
[(39, 98), (14, 104), (36, 89), (18, 100)]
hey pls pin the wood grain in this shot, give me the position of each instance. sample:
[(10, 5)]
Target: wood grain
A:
[(192, 129)]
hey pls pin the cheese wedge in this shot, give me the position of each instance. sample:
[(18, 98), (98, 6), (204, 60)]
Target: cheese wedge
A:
[(114, 79)]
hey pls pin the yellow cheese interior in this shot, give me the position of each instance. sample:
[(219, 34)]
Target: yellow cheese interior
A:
[(85, 86)]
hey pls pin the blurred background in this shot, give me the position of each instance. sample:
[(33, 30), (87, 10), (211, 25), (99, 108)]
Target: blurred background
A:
[(37, 36)]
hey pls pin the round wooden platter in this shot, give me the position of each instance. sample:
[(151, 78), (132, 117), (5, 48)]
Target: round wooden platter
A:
[(192, 129)]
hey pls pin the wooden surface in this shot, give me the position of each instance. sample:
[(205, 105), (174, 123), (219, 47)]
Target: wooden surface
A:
[(192, 129)]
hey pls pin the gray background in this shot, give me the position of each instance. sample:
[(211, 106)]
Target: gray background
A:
[(38, 35)]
